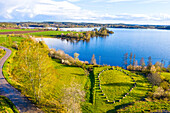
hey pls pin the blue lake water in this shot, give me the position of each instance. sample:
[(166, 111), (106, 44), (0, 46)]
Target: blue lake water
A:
[(141, 42)]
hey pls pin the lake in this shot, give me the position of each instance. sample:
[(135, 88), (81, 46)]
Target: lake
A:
[(111, 49)]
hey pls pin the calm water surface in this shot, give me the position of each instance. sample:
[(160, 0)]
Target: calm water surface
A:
[(141, 42)]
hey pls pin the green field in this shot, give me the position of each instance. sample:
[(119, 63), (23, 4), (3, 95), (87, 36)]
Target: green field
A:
[(4, 39), (50, 33), (10, 30), (138, 93), (6, 106), (115, 84), (69, 75)]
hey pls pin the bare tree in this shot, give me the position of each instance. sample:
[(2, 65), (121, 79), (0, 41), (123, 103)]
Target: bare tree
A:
[(142, 62), (125, 60), (134, 59), (130, 58), (149, 63), (72, 98), (93, 60)]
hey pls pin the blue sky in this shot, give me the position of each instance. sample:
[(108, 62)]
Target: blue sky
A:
[(97, 11)]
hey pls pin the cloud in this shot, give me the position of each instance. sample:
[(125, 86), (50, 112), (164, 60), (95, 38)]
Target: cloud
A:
[(15, 9), (135, 1), (73, 0), (50, 10), (119, 0)]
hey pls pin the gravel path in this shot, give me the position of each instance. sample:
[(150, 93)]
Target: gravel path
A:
[(19, 100)]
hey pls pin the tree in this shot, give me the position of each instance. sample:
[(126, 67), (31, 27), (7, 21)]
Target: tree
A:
[(162, 63), (169, 67), (130, 58), (93, 60), (142, 62), (72, 98), (136, 63), (76, 55), (125, 60), (149, 63), (33, 67), (134, 59)]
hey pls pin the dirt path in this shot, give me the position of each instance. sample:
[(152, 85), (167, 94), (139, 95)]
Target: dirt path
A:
[(19, 100)]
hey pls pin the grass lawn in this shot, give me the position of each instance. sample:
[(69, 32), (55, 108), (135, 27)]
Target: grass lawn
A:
[(165, 76), (68, 75), (6, 106), (9, 30), (115, 84), (138, 93)]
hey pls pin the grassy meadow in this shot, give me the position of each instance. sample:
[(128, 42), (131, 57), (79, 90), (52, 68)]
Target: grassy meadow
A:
[(137, 94), (10, 30), (115, 84), (50, 33)]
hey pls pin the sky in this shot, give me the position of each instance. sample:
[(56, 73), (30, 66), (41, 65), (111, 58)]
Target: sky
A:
[(96, 11)]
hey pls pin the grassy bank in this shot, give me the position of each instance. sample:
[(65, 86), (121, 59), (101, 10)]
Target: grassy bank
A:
[(6, 106)]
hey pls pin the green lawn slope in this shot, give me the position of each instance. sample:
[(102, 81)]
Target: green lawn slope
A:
[(138, 93)]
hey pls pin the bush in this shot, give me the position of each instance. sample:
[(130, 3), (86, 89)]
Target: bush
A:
[(154, 78), (165, 85)]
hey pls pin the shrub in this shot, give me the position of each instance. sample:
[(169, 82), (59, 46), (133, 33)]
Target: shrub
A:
[(165, 85), (154, 78)]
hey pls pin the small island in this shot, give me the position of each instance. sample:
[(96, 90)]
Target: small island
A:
[(72, 35)]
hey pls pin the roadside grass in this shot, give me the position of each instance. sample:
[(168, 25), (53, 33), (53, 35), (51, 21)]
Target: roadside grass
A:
[(6, 106), (147, 107), (4, 39), (50, 33), (138, 93), (2, 53), (165, 76), (10, 30)]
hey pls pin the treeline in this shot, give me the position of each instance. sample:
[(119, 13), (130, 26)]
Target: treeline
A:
[(132, 64), (161, 87), (85, 35), (87, 25), (32, 68)]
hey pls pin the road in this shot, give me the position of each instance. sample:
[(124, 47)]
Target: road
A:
[(19, 100)]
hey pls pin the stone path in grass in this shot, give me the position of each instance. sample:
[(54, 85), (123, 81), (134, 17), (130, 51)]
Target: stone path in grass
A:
[(100, 91), (19, 100)]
